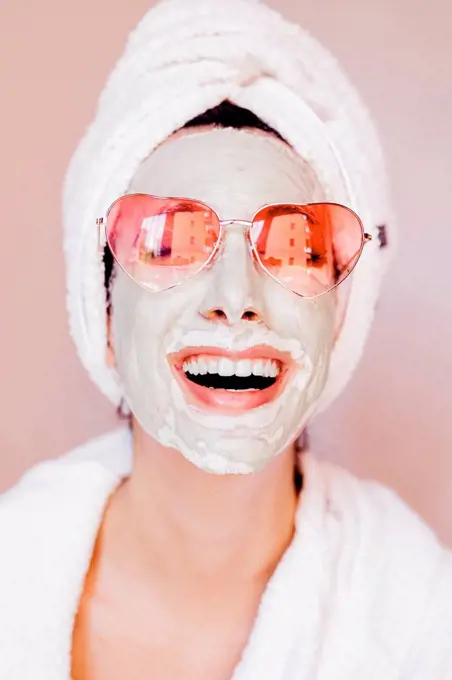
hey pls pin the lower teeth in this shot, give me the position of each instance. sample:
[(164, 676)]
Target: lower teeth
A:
[(251, 389)]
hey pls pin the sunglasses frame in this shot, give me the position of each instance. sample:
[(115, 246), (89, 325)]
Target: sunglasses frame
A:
[(223, 224)]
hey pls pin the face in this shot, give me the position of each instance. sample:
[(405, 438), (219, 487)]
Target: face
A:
[(228, 366)]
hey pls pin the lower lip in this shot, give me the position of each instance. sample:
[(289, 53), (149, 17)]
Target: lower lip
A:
[(226, 400)]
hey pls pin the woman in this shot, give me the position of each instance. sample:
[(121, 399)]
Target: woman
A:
[(226, 169)]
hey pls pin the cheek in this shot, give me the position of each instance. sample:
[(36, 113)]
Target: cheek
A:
[(315, 327), (137, 328), (143, 325), (317, 320), (312, 322)]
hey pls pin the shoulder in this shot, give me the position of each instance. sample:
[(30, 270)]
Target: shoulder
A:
[(50, 492), (399, 574), (56, 484), (49, 514), (393, 539), (375, 510), (415, 578), (418, 569), (48, 524)]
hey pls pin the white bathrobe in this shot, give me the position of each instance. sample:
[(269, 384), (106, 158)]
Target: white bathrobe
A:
[(363, 593)]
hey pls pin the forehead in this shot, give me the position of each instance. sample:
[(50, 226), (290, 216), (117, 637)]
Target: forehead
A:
[(233, 171)]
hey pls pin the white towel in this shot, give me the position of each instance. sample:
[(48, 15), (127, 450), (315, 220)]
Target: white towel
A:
[(184, 57)]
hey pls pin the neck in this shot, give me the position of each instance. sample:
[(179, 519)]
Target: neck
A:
[(191, 522)]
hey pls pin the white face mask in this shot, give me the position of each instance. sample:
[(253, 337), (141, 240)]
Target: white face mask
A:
[(231, 308)]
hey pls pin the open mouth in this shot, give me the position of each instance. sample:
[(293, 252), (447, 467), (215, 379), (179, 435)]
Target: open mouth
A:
[(230, 382), (224, 374)]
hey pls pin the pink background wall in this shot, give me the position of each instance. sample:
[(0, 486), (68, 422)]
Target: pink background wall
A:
[(395, 421)]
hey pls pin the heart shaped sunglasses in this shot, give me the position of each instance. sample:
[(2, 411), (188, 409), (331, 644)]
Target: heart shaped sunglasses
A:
[(162, 242)]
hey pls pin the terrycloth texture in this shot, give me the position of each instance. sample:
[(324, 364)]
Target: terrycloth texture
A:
[(363, 593), (183, 58)]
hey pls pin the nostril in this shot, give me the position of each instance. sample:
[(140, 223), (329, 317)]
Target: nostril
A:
[(217, 314), (249, 315)]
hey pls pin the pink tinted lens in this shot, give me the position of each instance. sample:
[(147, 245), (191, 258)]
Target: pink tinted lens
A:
[(309, 249), (161, 242)]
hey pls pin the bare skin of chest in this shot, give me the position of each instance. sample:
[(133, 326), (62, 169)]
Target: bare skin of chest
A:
[(128, 635)]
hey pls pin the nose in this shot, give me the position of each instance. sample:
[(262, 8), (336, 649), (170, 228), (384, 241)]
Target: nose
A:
[(233, 293)]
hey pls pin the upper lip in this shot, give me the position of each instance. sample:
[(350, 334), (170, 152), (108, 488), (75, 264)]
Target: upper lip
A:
[(256, 352)]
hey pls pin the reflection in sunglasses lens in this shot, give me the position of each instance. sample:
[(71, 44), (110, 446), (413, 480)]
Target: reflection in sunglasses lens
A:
[(308, 249), (161, 242)]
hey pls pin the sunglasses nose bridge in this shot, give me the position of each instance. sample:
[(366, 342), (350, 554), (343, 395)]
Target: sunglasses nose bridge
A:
[(245, 257), (246, 229), (230, 231), (243, 223)]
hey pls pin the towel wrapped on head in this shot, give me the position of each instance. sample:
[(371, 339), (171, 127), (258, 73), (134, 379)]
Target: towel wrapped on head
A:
[(183, 58)]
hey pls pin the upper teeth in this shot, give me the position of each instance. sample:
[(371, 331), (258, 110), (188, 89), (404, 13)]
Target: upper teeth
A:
[(201, 365)]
